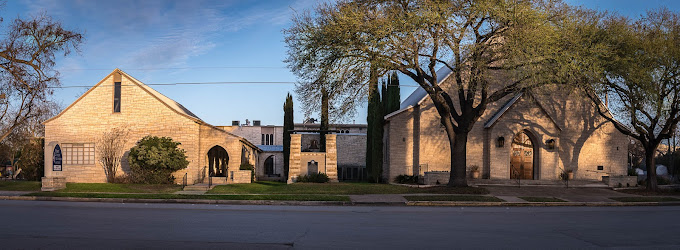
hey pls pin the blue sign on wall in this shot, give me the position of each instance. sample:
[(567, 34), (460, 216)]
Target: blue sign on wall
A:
[(56, 159)]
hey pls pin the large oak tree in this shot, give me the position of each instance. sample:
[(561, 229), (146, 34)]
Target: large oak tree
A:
[(352, 43), (641, 75)]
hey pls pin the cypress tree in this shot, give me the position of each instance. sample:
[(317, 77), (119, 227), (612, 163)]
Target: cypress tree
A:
[(374, 131), (324, 120), (288, 126), (393, 94)]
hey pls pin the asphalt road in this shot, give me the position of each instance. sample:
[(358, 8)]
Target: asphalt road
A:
[(80, 225)]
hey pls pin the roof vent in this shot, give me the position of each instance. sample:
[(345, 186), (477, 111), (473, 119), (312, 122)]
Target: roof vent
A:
[(235, 123), (256, 123)]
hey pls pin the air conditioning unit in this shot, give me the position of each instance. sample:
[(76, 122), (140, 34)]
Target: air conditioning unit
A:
[(235, 123)]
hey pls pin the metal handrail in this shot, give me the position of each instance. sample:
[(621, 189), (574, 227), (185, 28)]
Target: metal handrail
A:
[(209, 181), (184, 180)]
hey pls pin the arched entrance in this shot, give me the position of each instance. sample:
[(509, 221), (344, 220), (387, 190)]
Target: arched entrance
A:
[(218, 161), (522, 157), (269, 165)]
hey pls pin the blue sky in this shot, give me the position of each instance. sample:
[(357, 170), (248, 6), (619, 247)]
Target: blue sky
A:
[(202, 41)]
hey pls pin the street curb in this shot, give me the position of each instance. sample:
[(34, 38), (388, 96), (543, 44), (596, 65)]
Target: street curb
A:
[(537, 204), (344, 203), (180, 201)]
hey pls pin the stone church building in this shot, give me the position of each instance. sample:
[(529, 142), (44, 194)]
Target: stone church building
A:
[(529, 135), (121, 101)]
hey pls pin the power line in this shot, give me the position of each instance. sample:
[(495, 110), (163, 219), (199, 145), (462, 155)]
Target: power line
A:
[(223, 67), (172, 84), (192, 83)]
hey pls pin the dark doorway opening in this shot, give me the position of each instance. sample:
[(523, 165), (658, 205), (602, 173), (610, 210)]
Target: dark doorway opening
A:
[(218, 161)]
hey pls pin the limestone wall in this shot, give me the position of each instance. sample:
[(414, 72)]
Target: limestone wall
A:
[(92, 115), (278, 166), (351, 150), (585, 142), (211, 137), (327, 161)]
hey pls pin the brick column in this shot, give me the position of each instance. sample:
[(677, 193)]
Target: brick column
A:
[(332, 157), (294, 158)]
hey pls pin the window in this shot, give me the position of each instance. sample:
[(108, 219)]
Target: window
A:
[(267, 139), (78, 153), (116, 97)]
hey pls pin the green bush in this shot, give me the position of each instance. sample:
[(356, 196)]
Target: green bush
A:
[(631, 172), (247, 166), (406, 179), (314, 177), (154, 159)]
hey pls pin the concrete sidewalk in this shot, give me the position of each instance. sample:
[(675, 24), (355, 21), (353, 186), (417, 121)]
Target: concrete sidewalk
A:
[(511, 196), (581, 194)]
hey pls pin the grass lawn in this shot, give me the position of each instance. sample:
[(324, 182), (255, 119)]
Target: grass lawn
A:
[(119, 188), (202, 197), (341, 188), (645, 192), (541, 199), (20, 185), (452, 198), (645, 199)]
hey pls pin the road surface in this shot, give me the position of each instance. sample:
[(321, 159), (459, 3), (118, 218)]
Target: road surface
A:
[(81, 225)]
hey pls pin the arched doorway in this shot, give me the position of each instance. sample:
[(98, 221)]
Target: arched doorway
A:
[(218, 161), (522, 157), (269, 166)]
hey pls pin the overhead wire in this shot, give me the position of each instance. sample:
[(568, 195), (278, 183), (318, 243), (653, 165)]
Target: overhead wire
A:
[(191, 83)]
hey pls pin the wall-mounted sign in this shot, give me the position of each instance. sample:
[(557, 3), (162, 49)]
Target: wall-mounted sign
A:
[(56, 159)]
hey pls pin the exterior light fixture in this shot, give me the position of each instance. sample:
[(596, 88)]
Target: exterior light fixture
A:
[(500, 142), (550, 144)]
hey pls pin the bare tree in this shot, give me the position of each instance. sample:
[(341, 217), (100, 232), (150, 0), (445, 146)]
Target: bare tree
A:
[(110, 147), (27, 60)]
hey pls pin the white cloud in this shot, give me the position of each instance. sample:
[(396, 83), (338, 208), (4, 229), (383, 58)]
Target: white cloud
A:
[(154, 33)]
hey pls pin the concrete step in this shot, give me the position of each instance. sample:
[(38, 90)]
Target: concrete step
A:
[(198, 187)]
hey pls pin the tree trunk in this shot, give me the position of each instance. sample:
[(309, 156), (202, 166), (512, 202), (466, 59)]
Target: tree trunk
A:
[(651, 168), (458, 159), (324, 120)]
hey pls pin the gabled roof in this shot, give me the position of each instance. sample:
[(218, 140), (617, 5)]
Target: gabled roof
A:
[(419, 95), (173, 105), (177, 107), (510, 103)]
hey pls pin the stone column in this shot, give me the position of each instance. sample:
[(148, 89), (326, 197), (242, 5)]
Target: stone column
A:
[(294, 159), (53, 180), (332, 157)]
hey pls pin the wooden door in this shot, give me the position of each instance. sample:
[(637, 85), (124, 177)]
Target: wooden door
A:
[(522, 158)]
